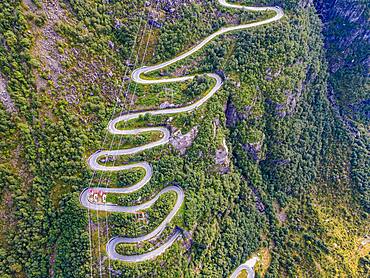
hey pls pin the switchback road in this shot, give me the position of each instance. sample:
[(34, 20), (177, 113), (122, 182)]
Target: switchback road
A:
[(248, 266), (93, 161)]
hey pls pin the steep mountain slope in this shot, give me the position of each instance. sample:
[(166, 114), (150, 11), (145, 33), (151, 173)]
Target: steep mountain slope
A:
[(270, 165), (347, 38)]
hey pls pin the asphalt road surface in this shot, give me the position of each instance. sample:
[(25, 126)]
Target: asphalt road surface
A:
[(94, 164), (248, 266)]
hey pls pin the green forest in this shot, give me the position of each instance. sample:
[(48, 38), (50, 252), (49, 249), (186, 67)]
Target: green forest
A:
[(294, 189)]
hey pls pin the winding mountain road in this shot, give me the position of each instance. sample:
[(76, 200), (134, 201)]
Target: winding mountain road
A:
[(248, 266), (93, 160)]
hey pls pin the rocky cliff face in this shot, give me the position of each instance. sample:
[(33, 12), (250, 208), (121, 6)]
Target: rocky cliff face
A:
[(347, 37), (345, 25)]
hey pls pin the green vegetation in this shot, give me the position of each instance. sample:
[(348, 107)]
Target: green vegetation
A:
[(296, 184)]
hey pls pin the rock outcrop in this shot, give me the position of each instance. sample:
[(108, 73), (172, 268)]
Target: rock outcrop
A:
[(222, 158), (347, 38), (182, 142), (352, 18), (5, 98)]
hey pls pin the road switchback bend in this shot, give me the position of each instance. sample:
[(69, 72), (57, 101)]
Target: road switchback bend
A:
[(93, 161)]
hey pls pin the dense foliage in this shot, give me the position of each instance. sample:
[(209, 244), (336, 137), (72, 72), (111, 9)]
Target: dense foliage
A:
[(295, 187)]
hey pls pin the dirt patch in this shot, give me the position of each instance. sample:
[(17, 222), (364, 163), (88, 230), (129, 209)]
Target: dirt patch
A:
[(5, 98), (281, 214)]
